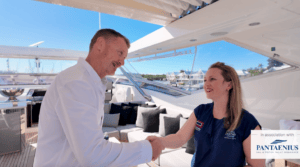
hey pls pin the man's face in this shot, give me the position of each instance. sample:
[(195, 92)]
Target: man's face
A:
[(115, 53)]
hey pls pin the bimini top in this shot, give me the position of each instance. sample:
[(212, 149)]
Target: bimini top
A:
[(41, 53)]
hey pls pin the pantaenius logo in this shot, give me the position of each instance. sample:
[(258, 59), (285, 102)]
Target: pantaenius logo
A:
[(275, 146), (278, 141)]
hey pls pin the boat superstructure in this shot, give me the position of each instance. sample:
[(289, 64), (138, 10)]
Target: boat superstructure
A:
[(268, 27)]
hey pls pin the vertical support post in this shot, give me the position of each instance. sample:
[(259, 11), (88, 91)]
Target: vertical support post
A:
[(37, 62), (193, 65)]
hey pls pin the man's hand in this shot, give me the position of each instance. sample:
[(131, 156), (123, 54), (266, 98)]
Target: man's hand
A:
[(157, 146)]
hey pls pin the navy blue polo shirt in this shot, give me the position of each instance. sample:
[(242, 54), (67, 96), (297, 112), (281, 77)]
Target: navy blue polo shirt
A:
[(214, 145)]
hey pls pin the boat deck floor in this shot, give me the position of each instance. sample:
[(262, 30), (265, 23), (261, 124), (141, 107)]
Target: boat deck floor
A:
[(25, 157)]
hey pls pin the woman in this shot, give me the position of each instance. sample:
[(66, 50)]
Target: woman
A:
[(222, 129)]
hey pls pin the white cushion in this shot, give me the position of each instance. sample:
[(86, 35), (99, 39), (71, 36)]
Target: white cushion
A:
[(289, 125), (127, 127), (123, 94), (139, 119), (111, 120), (169, 157), (109, 85), (108, 96), (140, 135), (162, 122), (176, 157), (128, 95), (177, 111), (112, 132), (124, 130), (107, 108), (172, 111), (150, 103), (182, 122)]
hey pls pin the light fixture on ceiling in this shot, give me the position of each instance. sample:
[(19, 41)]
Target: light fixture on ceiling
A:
[(215, 34), (254, 24), (136, 54), (193, 40)]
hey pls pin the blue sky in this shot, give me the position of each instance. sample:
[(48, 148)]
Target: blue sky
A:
[(25, 22), (207, 54)]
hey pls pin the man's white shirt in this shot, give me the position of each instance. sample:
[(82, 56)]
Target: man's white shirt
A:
[(70, 125)]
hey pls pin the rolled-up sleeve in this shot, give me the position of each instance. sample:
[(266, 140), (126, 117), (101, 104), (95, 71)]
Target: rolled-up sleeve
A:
[(78, 114)]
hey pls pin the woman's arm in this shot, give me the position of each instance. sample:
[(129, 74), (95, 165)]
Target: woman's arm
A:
[(182, 136), (247, 151)]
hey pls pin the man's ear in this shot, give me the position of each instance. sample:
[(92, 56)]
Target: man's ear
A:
[(100, 44)]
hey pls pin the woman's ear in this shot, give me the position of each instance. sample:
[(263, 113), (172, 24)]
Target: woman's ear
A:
[(229, 86)]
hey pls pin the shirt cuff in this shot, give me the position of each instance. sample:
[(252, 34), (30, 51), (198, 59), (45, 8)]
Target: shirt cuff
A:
[(147, 153)]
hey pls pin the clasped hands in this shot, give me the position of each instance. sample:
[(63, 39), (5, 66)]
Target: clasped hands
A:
[(157, 146)]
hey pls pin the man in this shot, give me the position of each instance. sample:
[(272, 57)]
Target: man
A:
[(71, 117)]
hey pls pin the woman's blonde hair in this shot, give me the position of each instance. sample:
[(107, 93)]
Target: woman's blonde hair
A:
[(235, 103)]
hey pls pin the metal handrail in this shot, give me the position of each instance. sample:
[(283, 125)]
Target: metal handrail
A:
[(130, 77), (184, 92), (136, 85)]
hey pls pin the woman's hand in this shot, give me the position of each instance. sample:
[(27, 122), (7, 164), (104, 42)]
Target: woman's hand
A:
[(157, 146)]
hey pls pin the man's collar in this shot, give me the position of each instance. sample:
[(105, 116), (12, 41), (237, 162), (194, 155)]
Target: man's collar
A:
[(95, 77)]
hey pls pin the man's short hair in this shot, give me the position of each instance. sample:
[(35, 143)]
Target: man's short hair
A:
[(107, 34)]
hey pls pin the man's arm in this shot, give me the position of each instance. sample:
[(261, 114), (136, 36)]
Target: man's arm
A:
[(78, 114)]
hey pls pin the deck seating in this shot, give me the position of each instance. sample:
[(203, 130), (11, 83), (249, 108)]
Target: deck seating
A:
[(132, 133), (109, 91)]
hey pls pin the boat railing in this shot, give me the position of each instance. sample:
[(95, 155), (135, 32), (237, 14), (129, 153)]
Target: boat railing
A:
[(146, 96), (140, 82)]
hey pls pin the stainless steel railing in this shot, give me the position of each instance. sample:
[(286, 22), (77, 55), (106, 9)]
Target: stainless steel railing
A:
[(164, 88), (146, 96)]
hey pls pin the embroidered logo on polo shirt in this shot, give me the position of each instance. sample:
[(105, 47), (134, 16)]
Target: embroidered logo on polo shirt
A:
[(230, 135), (199, 125)]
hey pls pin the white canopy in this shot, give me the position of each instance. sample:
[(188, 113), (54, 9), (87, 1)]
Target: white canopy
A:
[(41, 53)]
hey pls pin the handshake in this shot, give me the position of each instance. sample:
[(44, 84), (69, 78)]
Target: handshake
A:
[(157, 146)]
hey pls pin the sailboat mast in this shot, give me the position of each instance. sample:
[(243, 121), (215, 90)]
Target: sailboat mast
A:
[(99, 21)]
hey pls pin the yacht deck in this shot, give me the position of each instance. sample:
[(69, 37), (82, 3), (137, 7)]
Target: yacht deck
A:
[(25, 157)]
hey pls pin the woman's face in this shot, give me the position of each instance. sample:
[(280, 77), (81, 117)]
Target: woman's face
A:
[(215, 86)]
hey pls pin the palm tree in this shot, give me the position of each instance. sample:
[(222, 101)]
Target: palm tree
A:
[(260, 66)]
